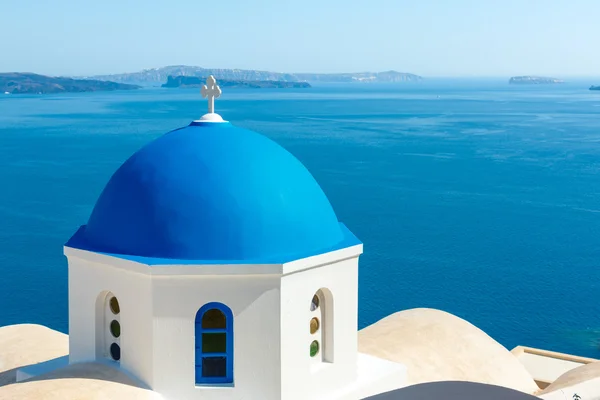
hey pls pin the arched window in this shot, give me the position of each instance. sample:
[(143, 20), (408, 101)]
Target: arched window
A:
[(108, 327), (321, 326), (214, 344)]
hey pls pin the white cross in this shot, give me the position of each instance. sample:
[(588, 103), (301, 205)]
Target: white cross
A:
[(212, 91)]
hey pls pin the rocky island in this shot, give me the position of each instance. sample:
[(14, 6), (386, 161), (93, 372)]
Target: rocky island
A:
[(533, 80), (595, 88), (156, 76), (27, 83), (194, 81)]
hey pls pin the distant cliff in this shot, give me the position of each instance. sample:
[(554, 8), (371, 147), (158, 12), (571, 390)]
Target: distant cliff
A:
[(595, 88), (160, 75), (533, 80), (26, 83), (193, 81)]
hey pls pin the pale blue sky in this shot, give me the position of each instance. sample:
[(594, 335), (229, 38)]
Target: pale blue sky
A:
[(427, 37)]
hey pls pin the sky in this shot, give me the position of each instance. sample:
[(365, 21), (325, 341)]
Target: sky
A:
[(434, 38)]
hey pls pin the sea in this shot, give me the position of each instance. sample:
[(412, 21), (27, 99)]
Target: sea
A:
[(471, 196)]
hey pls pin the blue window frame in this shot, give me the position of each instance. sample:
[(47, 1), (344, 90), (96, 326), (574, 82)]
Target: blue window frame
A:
[(214, 344)]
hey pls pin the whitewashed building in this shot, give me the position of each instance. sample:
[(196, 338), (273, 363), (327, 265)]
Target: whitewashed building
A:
[(213, 266)]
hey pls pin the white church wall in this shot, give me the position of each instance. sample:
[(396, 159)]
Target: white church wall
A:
[(272, 316), (255, 303), (89, 283), (303, 376)]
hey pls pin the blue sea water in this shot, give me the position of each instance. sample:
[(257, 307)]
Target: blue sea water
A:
[(474, 197)]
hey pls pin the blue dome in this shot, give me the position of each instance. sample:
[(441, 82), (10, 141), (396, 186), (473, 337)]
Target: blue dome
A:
[(212, 192)]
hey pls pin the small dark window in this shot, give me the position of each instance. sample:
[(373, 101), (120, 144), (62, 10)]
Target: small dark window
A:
[(214, 367), (214, 342), (115, 352), (114, 305), (314, 304), (214, 319), (314, 348), (314, 325), (115, 328)]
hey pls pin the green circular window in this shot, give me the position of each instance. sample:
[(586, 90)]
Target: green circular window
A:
[(115, 328), (114, 305), (314, 326), (314, 348), (115, 352)]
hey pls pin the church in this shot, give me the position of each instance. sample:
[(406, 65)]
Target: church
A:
[(214, 267)]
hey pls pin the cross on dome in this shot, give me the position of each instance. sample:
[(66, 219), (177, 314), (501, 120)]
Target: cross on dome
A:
[(211, 91)]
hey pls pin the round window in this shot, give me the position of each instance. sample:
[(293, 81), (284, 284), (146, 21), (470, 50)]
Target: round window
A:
[(115, 328), (314, 326), (314, 348), (114, 305), (115, 352), (314, 304)]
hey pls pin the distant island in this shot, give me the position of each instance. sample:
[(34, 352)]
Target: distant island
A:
[(27, 83), (160, 75), (595, 88), (533, 80), (193, 81), (387, 76)]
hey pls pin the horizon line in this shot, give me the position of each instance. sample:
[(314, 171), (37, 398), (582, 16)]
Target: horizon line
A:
[(434, 76)]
